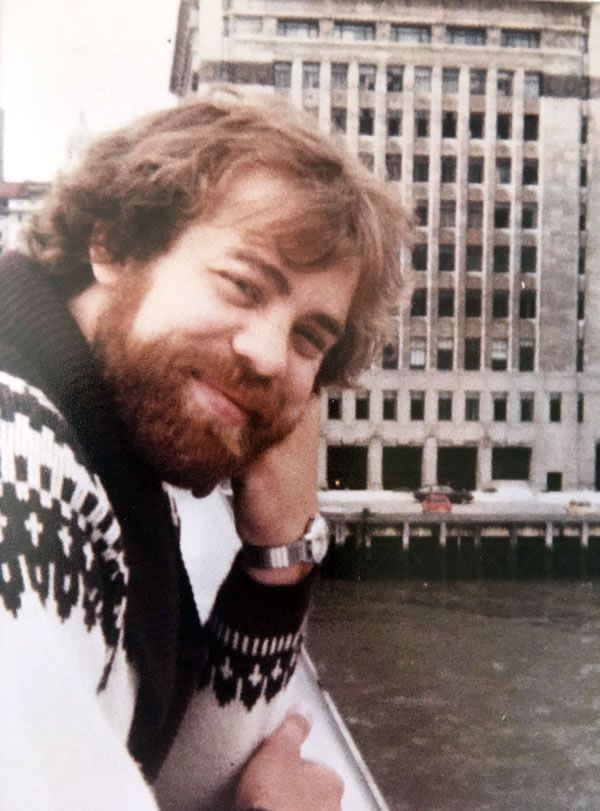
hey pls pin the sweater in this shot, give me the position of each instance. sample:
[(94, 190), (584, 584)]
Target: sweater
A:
[(105, 663)]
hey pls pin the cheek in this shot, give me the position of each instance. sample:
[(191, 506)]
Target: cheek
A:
[(299, 385)]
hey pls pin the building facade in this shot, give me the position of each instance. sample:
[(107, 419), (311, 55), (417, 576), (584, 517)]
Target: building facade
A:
[(485, 118)]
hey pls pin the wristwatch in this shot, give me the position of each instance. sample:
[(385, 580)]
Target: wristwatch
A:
[(310, 548)]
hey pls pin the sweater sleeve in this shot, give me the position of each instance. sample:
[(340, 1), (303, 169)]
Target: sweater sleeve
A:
[(66, 689)]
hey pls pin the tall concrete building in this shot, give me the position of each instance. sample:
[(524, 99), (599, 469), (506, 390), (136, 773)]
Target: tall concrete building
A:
[(485, 118)]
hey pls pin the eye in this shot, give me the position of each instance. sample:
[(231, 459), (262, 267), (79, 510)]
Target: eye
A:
[(309, 343), (245, 291)]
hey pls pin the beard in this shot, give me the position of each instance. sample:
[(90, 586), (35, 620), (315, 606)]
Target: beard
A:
[(151, 384)]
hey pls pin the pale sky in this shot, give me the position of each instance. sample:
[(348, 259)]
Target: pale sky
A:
[(107, 59)]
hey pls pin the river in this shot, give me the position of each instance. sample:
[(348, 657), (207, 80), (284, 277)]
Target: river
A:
[(468, 695)]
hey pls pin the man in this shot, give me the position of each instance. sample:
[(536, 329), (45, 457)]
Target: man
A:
[(187, 290)]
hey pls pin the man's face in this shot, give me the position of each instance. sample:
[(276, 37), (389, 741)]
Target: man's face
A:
[(212, 350)]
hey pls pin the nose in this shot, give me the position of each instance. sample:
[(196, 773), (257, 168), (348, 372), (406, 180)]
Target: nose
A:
[(262, 345)]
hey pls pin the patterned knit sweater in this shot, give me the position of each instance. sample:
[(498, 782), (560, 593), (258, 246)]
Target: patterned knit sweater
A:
[(105, 665)]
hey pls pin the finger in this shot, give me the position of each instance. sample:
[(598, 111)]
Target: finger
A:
[(292, 733)]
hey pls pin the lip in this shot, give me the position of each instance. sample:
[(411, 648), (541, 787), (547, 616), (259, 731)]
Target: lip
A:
[(221, 403)]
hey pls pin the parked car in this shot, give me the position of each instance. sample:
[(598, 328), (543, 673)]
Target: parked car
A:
[(455, 495), (436, 503)]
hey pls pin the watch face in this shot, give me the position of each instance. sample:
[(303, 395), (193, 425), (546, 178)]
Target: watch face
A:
[(318, 537), (319, 549)]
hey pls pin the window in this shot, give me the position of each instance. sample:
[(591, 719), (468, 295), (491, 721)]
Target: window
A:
[(353, 32), (334, 405), (421, 169), (422, 212), (472, 360), (581, 262), (418, 303), (248, 25), (471, 406), (582, 217), (503, 166), (394, 123), (419, 257), (362, 405), (519, 38), (393, 166), (310, 74), (502, 215), (474, 258), (474, 214), (475, 170), (526, 407), (445, 302), (449, 124), (448, 169), (421, 123), (389, 358), (366, 77), (473, 302), (446, 257), (584, 129), (450, 80), (533, 85), (579, 356), (530, 172), (531, 126), (456, 35), (499, 355), (410, 33), (339, 118), (282, 74), (477, 80), (580, 408), (583, 173), (367, 159), (500, 304), (529, 216), (499, 402), (501, 259), (339, 76), (417, 353), (395, 78), (445, 353), (555, 406), (366, 119), (504, 82), (527, 304), (422, 80), (528, 258), (300, 29), (445, 405), (580, 305), (476, 124), (526, 355), (390, 405), (447, 213), (503, 126), (417, 405)]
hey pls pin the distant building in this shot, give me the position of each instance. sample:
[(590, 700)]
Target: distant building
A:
[(16, 201), (485, 117)]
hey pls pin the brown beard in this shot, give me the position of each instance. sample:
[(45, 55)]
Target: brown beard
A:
[(150, 385)]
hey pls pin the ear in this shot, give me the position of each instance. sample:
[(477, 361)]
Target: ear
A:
[(106, 271)]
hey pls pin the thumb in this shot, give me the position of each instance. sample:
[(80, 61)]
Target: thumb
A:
[(292, 733)]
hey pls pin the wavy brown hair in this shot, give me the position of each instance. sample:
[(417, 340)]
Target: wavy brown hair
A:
[(141, 186)]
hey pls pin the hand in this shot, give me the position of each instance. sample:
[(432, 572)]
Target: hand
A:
[(278, 779), (277, 494)]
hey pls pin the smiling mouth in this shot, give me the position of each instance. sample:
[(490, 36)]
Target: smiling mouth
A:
[(221, 404)]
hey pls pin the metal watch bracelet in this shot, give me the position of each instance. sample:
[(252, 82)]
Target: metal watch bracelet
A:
[(310, 548)]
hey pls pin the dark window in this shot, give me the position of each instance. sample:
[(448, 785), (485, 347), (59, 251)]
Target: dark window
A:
[(389, 358), (417, 405), (339, 118), (450, 80), (448, 169), (282, 74), (395, 78), (511, 463), (445, 353), (500, 402), (366, 121), (583, 132), (394, 123), (474, 214), (503, 166), (393, 166), (471, 406), (418, 304), (502, 215), (579, 357), (583, 174), (529, 215), (410, 33), (449, 125), (446, 257), (530, 172), (476, 122), (445, 302), (475, 170), (419, 257), (459, 35), (555, 407), (422, 212), (334, 406), (527, 304), (366, 77), (421, 123), (501, 258), (580, 305), (528, 258), (582, 217), (503, 126), (580, 408), (526, 355), (531, 125), (474, 258), (500, 304), (362, 405), (339, 76), (499, 359), (302, 29), (473, 302), (581, 261), (421, 169), (519, 38), (447, 213), (477, 80), (390, 405), (504, 82), (472, 360), (526, 402), (353, 32), (445, 405)]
